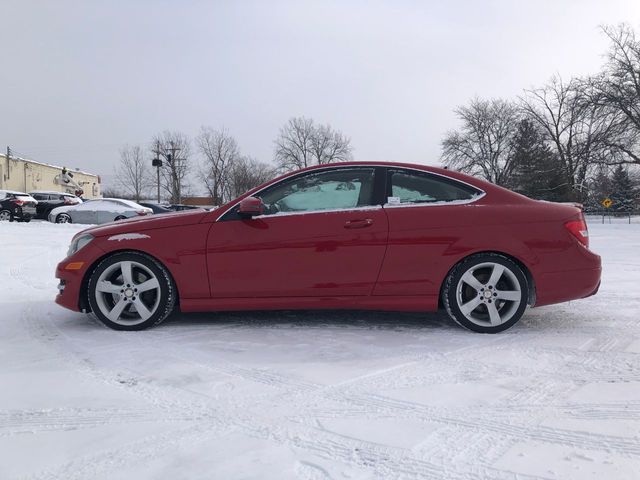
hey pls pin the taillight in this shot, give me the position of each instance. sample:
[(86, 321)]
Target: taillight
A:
[(69, 201), (141, 212), (19, 203), (578, 228)]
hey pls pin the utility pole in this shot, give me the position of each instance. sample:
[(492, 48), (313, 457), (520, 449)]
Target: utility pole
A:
[(8, 164), (156, 162)]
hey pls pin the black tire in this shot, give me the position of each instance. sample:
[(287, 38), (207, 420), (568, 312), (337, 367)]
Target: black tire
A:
[(507, 298), (25, 220), (119, 217), (166, 292), (6, 215), (60, 218)]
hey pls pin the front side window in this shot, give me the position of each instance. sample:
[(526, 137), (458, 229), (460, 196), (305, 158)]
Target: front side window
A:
[(415, 187), (329, 190)]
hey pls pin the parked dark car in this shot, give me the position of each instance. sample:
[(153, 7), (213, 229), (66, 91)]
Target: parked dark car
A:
[(16, 206), (47, 201), (157, 209), (179, 207)]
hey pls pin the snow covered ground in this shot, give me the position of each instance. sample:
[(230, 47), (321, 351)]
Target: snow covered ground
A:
[(314, 396)]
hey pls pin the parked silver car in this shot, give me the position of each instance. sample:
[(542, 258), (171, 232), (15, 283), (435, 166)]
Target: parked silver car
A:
[(98, 211)]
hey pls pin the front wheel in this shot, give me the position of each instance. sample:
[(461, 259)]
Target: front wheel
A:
[(486, 293), (63, 218), (131, 291)]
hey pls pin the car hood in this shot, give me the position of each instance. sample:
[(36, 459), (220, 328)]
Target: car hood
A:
[(61, 209), (137, 224)]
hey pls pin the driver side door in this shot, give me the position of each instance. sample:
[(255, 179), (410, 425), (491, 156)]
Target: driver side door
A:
[(321, 235), (85, 212)]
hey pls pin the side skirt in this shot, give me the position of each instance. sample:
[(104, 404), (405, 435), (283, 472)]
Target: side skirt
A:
[(428, 303)]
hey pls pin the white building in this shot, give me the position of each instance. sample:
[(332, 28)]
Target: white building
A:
[(25, 175)]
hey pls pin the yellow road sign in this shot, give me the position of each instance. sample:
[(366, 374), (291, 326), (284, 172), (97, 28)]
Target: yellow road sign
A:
[(607, 202)]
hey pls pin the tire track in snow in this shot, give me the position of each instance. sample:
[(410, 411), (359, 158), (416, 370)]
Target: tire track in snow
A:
[(367, 456), (249, 427), (31, 421)]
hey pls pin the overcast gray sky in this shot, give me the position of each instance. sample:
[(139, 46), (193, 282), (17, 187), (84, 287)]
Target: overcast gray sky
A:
[(80, 79)]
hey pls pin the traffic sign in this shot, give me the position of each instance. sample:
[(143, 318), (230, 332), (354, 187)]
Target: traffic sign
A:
[(607, 202)]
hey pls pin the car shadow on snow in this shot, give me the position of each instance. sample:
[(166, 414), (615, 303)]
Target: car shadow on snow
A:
[(532, 321), (539, 319), (304, 319)]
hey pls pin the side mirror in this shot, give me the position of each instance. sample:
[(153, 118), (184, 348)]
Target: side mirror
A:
[(250, 207)]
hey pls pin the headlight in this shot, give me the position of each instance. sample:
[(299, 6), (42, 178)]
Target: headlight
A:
[(78, 242)]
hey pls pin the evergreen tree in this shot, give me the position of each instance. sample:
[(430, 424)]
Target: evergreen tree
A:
[(536, 174), (600, 187), (623, 192)]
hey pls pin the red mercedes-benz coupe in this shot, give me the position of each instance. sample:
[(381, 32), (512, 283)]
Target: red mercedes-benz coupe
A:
[(358, 235)]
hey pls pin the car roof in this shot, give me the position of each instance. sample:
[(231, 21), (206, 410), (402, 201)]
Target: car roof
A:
[(52, 192), (379, 163), (122, 201), (453, 174)]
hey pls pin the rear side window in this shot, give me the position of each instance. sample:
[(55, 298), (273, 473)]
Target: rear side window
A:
[(415, 187)]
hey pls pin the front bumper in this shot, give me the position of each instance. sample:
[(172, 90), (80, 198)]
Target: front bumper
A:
[(72, 277)]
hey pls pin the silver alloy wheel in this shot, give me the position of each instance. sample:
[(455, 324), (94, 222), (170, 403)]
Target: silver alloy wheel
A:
[(488, 294), (63, 218), (127, 293), (5, 216)]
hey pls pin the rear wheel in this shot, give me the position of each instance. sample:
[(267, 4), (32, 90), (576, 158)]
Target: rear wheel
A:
[(5, 216), (486, 293), (119, 217), (131, 291), (63, 218)]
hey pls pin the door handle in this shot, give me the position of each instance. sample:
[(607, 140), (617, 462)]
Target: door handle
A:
[(367, 222)]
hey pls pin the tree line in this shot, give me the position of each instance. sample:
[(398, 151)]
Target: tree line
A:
[(213, 162), (569, 140)]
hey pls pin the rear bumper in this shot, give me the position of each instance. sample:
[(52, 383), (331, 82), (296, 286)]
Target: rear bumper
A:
[(557, 287)]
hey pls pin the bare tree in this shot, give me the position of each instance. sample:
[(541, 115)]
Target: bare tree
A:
[(110, 192), (221, 153), (329, 146), (132, 173), (575, 128), (248, 173), (616, 90), (301, 144), (483, 145), (174, 149)]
